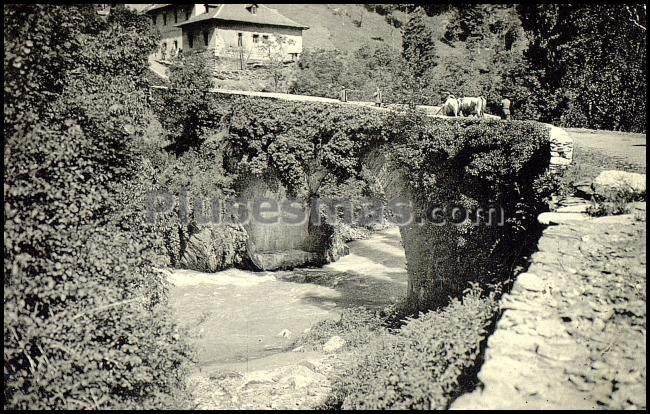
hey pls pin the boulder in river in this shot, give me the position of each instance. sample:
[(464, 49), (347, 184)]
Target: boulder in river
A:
[(214, 247), (282, 260)]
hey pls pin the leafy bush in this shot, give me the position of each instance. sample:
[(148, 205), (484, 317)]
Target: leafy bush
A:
[(185, 110), (474, 165), (584, 84), (615, 202), (191, 177), (421, 366), (304, 144), (86, 322)]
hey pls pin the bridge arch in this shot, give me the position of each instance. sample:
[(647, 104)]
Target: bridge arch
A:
[(473, 163)]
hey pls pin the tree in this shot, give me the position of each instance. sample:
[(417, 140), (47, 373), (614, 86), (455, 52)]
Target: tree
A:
[(275, 53), (320, 73), (328, 72), (418, 44), (483, 48), (591, 62), (186, 111), (86, 321)]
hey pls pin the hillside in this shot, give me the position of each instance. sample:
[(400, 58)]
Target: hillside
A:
[(331, 26)]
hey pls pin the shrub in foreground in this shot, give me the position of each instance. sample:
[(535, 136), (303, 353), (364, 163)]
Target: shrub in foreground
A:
[(422, 365), (86, 322)]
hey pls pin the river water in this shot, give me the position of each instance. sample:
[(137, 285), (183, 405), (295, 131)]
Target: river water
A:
[(239, 317)]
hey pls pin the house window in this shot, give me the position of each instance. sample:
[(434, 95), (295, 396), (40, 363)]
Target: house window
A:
[(175, 44), (265, 37), (256, 38), (254, 8), (187, 13), (206, 37), (207, 8), (190, 40), (240, 39), (164, 19), (175, 17)]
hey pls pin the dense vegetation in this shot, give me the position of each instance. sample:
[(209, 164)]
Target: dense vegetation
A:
[(552, 61), (421, 362), (86, 321)]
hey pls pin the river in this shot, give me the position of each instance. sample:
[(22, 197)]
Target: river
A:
[(239, 317)]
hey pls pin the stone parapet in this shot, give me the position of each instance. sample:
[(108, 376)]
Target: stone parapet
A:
[(561, 149), (572, 333)]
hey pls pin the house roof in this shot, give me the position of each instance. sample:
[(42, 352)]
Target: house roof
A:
[(240, 13), (153, 7)]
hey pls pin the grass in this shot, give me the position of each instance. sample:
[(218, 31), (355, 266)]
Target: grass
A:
[(331, 26)]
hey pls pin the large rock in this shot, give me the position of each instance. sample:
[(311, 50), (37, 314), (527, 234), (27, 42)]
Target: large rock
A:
[(214, 247), (283, 260), (560, 218), (614, 184)]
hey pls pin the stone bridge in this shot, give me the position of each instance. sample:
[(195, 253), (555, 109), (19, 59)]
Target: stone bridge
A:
[(428, 246)]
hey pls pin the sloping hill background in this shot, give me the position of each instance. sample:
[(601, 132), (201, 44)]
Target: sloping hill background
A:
[(332, 26)]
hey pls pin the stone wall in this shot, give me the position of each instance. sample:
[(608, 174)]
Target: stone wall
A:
[(275, 236), (285, 245), (561, 149), (572, 332)]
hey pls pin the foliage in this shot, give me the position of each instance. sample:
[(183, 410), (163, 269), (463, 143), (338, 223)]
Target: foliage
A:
[(357, 326), (423, 365), (418, 45), (196, 176), (303, 144), (551, 60), (592, 61), (320, 73), (482, 48), (276, 55), (187, 114), (472, 163), (86, 321), (327, 72), (477, 166), (616, 201), (609, 208)]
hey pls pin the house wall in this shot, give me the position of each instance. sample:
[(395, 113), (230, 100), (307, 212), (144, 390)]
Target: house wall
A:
[(228, 38), (168, 32), (224, 39), (197, 31)]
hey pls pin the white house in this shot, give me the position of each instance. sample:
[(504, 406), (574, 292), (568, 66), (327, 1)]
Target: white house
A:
[(227, 30)]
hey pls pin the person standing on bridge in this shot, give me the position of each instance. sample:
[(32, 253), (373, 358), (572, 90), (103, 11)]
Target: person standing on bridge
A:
[(505, 108), (377, 97)]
